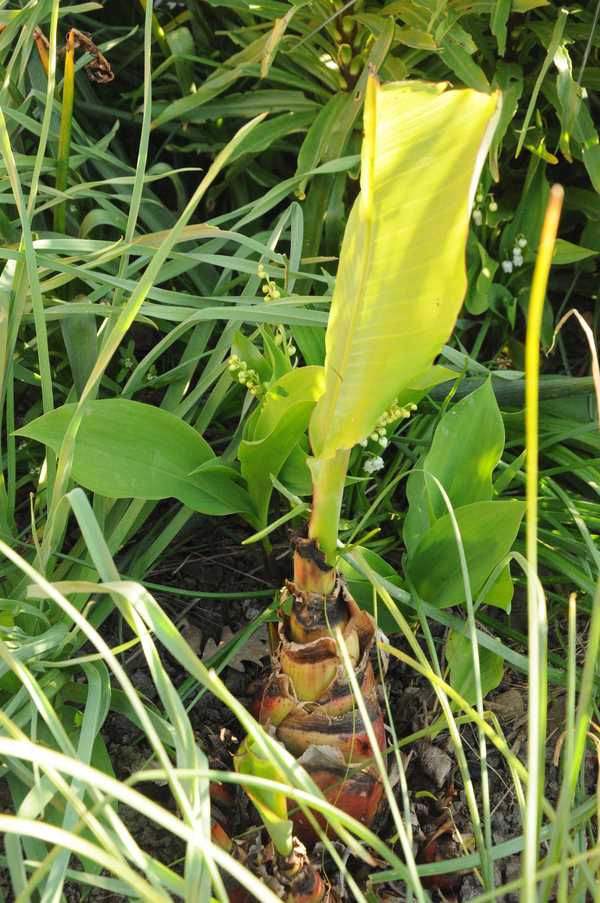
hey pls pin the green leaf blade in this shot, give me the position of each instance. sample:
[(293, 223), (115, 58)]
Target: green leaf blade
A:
[(488, 531), (127, 449), (466, 448), (459, 656), (276, 431)]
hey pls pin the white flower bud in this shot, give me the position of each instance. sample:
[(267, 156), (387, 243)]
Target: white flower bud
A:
[(507, 266), (477, 216)]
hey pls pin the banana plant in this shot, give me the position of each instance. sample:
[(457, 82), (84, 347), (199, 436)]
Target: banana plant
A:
[(400, 284)]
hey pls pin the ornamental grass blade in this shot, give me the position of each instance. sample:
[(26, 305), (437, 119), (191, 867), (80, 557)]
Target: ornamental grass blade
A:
[(401, 278)]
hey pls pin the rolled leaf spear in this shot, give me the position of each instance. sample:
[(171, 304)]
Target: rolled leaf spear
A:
[(400, 285)]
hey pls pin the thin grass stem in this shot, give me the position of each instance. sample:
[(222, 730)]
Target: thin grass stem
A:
[(536, 605)]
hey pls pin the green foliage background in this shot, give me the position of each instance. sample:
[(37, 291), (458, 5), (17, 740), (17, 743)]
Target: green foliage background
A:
[(100, 275)]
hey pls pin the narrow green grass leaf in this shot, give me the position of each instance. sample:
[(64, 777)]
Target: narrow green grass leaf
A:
[(557, 33)]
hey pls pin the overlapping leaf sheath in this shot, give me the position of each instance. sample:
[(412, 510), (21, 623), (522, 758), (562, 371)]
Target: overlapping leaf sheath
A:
[(308, 702), (292, 877)]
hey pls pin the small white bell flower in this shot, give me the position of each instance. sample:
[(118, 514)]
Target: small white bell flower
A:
[(372, 465)]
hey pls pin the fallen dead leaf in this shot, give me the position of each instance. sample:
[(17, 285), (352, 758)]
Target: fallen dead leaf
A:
[(435, 763), (98, 69), (509, 706), (253, 650), (192, 634)]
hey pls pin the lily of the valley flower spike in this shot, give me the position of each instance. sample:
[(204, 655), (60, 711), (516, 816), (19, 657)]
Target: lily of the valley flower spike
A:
[(400, 284)]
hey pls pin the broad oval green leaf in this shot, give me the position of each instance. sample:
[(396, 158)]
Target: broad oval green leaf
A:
[(126, 449), (466, 448), (460, 661), (275, 431), (488, 531), (180, 42), (295, 474), (501, 592), (401, 278), (567, 252)]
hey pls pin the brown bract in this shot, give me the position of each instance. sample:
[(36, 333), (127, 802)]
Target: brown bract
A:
[(293, 878), (309, 703)]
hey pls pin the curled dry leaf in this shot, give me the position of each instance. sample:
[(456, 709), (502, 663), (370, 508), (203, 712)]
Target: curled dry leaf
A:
[(435, 763), (98, 69), (509, 706), (192, 635)]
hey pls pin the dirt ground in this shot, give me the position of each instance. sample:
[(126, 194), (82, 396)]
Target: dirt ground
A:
[(440, 818)]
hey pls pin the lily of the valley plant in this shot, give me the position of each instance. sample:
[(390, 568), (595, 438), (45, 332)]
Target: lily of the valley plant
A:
[(399, 287)]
